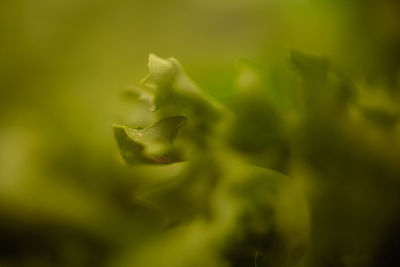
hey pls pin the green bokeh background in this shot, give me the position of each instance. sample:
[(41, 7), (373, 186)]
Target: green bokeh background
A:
[(64, 193)]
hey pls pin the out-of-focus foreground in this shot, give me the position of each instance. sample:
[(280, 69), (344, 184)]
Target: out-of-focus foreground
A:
[(288, 157)]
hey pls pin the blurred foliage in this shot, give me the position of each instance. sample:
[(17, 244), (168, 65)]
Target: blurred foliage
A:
[(291, 159)]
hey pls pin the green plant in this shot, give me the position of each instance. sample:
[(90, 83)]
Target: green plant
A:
[(265, 180)]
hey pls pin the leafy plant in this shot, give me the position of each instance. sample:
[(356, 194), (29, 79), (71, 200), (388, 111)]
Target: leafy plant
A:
[(259, 183)]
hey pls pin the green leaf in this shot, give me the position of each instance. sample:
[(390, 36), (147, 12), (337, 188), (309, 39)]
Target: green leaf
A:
[(152, 144), (171, 92), (162, 72), (171, 87)]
